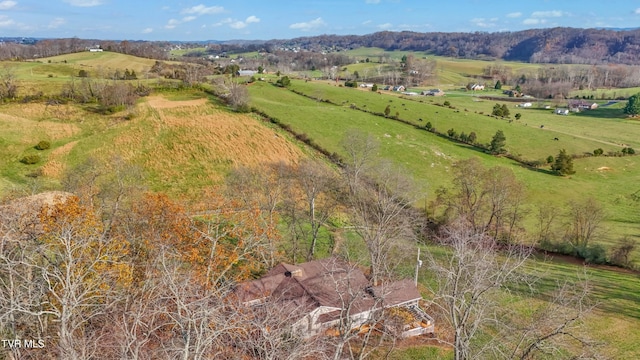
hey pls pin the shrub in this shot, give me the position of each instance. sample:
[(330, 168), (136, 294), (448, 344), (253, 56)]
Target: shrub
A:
[(598, 152), (43, 145), (30, 159), (283, 81), (446, 103), (594, 254)]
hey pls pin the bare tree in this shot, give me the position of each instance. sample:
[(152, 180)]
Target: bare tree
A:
[(361, 152), (382, 216), (546, 216), (8, 83), (555, 326), (488, 199), (465, 283), (234, 93), (265, 187), (269, 332), (318, 185), (584, 220)]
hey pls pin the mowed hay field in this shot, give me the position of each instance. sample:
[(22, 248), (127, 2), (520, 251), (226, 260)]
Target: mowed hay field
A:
[(50, 74)]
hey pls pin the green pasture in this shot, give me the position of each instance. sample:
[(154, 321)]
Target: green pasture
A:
[(428, 157), (605, 93), (182, 52), (578, 133), (97, 62)]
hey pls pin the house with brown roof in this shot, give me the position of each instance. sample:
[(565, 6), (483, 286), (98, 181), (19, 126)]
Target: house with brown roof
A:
[(579, 105), (331, 294)]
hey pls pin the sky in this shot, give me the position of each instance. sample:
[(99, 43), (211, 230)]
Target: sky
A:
[(283, 19)]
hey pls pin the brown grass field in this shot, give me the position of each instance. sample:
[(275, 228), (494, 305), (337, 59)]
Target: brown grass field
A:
[(193, 144)]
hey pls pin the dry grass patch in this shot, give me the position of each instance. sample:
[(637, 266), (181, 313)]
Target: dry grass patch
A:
[(187, 145), (28, 131), (44, 112), (159, 102), (55, 167)]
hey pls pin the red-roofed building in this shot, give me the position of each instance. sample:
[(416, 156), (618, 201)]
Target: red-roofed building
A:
[(330, 293)]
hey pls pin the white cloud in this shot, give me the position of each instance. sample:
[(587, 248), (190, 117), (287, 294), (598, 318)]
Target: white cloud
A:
[(514, 15), (372, 1), (172, 24), (367, 22), (84, 3), (238, 25), (484, 23), (385, 26), (547, 14), (307, 26), (147, 31), (203, 10), (252, 19), (5, 21), (637, 11), (188, 18), (57, 22), (6, 5), (532, 21)]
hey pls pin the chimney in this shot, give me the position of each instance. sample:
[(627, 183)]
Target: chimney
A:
[(297, 273)]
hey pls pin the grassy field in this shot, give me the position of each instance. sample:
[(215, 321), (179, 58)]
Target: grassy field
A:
[(184, 144), (610, 180), (49, 75)]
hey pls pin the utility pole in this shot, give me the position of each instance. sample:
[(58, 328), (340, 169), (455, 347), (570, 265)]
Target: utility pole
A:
[(418, 265)]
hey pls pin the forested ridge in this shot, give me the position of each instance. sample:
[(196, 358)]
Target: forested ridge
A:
[(555, 45)]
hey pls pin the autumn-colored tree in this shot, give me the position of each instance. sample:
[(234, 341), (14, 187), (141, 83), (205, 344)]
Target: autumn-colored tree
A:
[(80, 269)]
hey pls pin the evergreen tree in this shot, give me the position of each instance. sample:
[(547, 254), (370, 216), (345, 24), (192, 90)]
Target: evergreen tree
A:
[(505, 110), (498, 85), (633, 105), (563, 164), (497, 110), (498, 142)]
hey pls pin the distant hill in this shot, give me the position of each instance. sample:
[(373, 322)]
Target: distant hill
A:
[(555, 45)]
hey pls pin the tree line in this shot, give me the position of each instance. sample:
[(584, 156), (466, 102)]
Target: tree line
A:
[(555, 45)]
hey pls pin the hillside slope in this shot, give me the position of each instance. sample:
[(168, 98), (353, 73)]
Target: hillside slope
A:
[(181, 146)]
